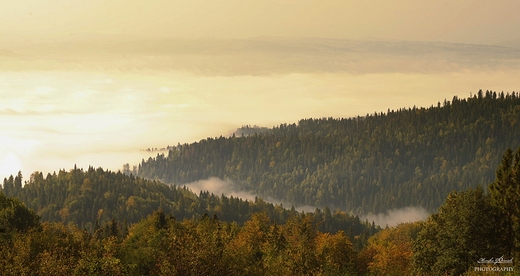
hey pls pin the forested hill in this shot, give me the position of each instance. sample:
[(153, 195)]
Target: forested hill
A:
[(93, 197), (409, 157)]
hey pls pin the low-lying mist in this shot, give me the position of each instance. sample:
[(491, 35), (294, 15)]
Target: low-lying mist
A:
[(390, 218), (226, 187), (218, 187), (397, 216)]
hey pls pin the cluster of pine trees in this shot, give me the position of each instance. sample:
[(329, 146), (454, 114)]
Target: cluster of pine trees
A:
[(258, 239), (474, 231), (474, 225), (89, 198), (471, 226), (409, 157)]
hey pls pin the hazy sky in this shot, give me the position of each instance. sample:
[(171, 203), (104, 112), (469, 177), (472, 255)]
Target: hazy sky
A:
[(93, 82), (466, 21)]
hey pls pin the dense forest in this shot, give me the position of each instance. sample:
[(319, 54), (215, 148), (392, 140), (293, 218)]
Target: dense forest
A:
[(444, 158), (95, 196), (409, 157), (471, 233)]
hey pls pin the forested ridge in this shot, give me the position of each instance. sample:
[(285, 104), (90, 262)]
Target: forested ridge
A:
[(92, 197), (409, 157)]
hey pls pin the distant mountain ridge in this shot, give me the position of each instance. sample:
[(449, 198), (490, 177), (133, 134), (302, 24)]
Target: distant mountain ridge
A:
[(270, 55), (408, 157)]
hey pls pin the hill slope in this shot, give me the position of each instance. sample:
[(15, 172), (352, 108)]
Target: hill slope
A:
[(409, 157), (93, 197)]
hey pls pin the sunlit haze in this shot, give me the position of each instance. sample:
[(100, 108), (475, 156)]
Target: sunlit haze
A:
[(95, 82)]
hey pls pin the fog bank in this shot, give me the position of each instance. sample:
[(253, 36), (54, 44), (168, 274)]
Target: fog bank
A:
[(98, 102), (396, 216), (218, 187)]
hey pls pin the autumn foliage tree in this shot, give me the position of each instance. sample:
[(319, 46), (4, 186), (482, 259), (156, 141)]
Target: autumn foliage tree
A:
[(390, 250)]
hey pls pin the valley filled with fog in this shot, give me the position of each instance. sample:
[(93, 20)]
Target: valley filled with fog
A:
[(99, 102)]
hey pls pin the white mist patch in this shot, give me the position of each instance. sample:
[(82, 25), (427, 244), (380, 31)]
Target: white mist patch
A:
[(306, 208), (396, 216), (299, 208), (218, 187), (226, 187)]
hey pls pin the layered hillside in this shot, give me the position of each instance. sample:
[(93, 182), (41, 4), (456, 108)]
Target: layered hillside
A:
[(382, 161), (93, 197)]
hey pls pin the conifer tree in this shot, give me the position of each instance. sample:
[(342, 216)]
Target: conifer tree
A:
[(462, 232), (505, 194)]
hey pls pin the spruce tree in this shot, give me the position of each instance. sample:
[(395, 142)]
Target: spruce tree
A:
[(505, 194)]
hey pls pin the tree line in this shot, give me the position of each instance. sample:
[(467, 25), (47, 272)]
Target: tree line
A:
[(92, 197), (409, 157)]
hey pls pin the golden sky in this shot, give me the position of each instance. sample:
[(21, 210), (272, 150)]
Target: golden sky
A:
[(462, 21)]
